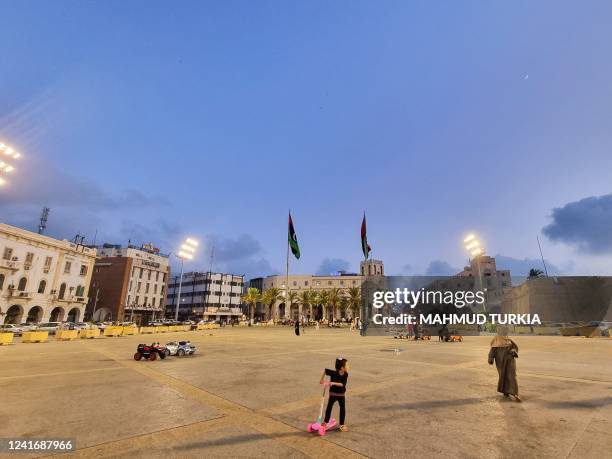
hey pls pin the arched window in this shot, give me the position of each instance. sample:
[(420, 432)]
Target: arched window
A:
[(62, 291), (42, 286), (1, 281), (22, 284), (79, 290)]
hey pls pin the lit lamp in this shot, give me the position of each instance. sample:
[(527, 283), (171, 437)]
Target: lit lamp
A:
[(186, 252), (472, 245), (6, 153)]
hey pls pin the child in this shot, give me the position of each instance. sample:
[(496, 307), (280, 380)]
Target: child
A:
[(337, 390)]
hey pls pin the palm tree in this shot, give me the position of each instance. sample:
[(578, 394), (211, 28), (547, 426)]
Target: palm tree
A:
[(305, 299), (322, 299), (334, 299), (270, 297), (354, 300), (252, 297), (535, 273), (292, 299)]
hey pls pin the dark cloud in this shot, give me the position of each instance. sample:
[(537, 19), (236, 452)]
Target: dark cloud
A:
[(240, 255), (332, 265), (42, 184), (521, 267), (441, 268), (585, 224)]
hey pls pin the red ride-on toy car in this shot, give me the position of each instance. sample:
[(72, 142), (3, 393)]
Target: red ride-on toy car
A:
[(150, 352)]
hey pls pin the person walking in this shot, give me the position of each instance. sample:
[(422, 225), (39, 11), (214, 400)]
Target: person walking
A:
[(504, 353), (297, 327)]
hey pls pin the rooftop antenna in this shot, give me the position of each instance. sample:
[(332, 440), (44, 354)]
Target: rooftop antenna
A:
[(212, 258), (44, 216), (542, 256)]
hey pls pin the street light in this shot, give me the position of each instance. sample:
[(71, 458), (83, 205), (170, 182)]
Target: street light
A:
[(6, 153), (472, 245), (186, 252)]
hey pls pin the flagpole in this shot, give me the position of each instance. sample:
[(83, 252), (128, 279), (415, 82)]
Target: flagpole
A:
[(287, 274)]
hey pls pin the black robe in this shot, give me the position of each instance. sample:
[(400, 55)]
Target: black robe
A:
[(297, 328), (504, 358)]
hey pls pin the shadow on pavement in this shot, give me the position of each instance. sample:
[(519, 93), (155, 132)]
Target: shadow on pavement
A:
[(233, 440)]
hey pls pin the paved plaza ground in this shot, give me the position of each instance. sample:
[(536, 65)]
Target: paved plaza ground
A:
[(250, 392)]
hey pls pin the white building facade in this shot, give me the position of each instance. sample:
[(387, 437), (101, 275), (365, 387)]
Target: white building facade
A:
[(208, 296), (42, 279)]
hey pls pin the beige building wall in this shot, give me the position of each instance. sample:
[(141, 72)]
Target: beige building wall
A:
[(42, 279)]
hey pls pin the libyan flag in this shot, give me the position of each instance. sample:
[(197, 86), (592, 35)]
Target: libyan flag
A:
[(292, 239), (365, 248)]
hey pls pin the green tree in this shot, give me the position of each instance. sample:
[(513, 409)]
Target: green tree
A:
[(292, 299), (335, 299), (306, 298), (322, 299), (535, 273), (269, 298), (354, 300), (252, 297)]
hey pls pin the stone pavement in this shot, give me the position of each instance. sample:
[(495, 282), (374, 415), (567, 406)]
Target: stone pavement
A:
[(250, 392)]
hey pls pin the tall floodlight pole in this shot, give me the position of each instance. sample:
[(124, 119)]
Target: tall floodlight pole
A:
[(187, 251), (472, 245), (6, 154)]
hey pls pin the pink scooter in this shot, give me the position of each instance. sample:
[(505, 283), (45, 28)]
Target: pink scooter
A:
[(318, 425)]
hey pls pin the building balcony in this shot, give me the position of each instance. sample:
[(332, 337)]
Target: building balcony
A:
[(10, 265), (14, 294)]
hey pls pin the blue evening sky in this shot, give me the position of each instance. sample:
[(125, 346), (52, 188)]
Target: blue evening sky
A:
[(151, 120)]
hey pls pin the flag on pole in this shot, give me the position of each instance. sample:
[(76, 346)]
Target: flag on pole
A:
[(292, 238), (366, 249)]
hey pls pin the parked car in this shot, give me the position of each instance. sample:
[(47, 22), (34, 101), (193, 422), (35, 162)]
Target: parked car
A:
[(25, 327), (50, 327), (11, 328), (154, 323), (81, 326), (180, 348)]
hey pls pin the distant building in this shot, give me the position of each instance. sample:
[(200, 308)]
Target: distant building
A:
[(483, 270), (372, 268), (563, 299), (42, 279), (208, 296), (299, 283), (129, 284)]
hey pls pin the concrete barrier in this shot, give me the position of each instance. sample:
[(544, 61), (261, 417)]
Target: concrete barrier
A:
[(162, 329), (129, 331), (147, 329), (35, 337), (201, 327), (66, 335), (6, 339), (113, 331), (89, 333)]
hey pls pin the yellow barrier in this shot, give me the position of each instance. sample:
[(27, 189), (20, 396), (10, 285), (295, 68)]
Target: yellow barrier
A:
[(201, 327), (129, 331), (184, 327), (113, 331), (163, 329), (6, 338), (66, 335), (89, 333), (35, 337), (147, 329)]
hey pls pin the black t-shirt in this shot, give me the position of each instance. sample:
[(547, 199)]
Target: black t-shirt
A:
[(336, 377)]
